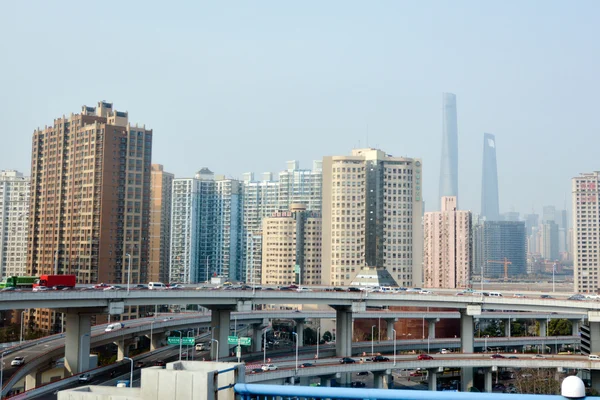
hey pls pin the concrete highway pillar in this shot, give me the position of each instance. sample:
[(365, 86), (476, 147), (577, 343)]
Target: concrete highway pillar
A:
[(77, 343), (432, 379), (343, 332), (300, 331), (257, 339), (390, 323), (156, 342), (380, 380), (431, 326), (543, 327), (595, 377), (122, 349), (466, 332), (32, 380), (220, 320), (487, 380), (507, 329)]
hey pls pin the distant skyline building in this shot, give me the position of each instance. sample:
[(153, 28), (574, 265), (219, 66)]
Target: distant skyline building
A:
[(372, 216), (493, 241), (447, 247), (14, 223), (490, 206), (586, 233), (292, 247), (449, 161), (161, 188), (549, 240)]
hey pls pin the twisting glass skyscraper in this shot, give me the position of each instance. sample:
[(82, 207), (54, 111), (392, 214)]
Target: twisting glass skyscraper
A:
[(490, 208), (449, 162)]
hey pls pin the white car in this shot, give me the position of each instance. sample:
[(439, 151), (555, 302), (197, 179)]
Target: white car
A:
[(17, 361), (84, 378), (425, 292), (40, 289), (111, 288), (269, 367), (303, 289)]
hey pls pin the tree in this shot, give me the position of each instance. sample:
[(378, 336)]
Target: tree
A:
[(310, 336), (537, 381), (327, 336), (560, 327)]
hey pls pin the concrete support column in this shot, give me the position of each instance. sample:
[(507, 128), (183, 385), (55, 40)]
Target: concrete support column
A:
[(466, 332), (122, 349), (77, 343), (220, 320), (31, 380), (156, 342), (543, 327), (487, 380), (380, 380), (466, 379), (507, 328), (390, 323), (257, 339), (300, 331), (344, 378), (575, 328), (431, 326), (432, 379), (343, 332)]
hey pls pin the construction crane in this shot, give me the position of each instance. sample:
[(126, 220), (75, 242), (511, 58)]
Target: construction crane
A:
[(506, 264)]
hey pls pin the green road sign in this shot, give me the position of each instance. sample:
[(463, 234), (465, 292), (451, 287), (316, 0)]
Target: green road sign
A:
[(186, 341), (243, 341)]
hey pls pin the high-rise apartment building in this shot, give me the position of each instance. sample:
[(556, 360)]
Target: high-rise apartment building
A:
[(14, 223), (206, 228), (495, 241), (262, 198), (549, 240), (447, 247), (90, 199), (586, 233), (449, 163), (161, 187), (292, 247), (372, 212), (490, 208)]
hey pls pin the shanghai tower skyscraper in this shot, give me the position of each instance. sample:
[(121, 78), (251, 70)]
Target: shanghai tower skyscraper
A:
[(490, 208), (449, 162)]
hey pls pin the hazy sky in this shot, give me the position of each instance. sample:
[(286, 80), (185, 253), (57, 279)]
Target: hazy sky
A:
[(246, 86)]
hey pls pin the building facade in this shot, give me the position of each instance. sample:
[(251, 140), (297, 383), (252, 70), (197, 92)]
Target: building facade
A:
[(161, 184), (449, 163), (490, 205), (14, 217), (90, 199), (447, 247), (291, 251), (497, 241), (586, 233), (372, 210)]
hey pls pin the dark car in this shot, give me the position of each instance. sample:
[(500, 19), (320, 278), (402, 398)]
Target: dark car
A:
[(285, 288), (159, 363), (358, 385), (362, 373), (513, 357), (380, 359), (497, 356), (353, 289), (338, 289), (306, 365), (424, 357), (347, 360), (546, 296), (256, 370), (140, 364)]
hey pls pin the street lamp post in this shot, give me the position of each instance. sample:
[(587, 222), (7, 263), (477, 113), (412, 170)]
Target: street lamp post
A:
[(180, 343), (485, 338), (372, 337), (151, 328), (318, 340), (394, 332), (265, 346), (297, 343), (215, 340), (187, 353), (130, 372), (22, 323), (2, 371), (128, 272)]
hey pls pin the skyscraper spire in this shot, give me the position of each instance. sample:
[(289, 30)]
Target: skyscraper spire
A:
[(490, 208), (449, 161)]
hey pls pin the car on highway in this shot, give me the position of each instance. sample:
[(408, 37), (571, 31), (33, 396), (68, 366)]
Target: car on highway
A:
[(519, 295), (114, 327), (84, 378), (167, 319), (577, 297), (424, 357), (417, 373), (40, 289), (101, 286), (17, 361), (306, 365), (159, 363), (425, 292), (303, 289), (546, 296), (353, 289), (269, 367), (380, 358), (141, 287), (176, 286), (111, 288), (10, 289), (140, 364), (513, 357), (256, 370), (539, 357), (362, 373), (497, 356), (347, 360)]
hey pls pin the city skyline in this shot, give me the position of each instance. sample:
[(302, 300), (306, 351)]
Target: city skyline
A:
[(326, 81)]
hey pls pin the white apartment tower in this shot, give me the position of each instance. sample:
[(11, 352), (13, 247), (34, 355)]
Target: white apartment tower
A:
[(264, 197), (372, 215), (447, 247), (586, 233), (291, 251), (14, 223)]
